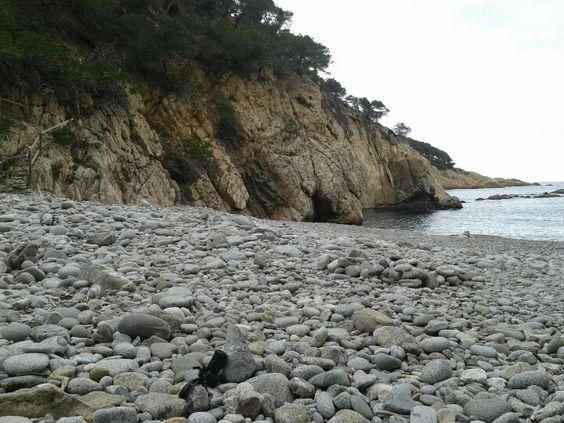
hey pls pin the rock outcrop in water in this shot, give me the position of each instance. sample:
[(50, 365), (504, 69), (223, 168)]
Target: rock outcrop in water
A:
[(272, 148), (553, 194)]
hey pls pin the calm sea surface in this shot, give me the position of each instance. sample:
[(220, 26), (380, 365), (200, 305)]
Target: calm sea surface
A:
[(527, 218)]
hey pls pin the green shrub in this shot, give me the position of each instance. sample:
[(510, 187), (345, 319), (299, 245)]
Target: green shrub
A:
[(229, 127), (5, 125), (200, 150), (64, 136)]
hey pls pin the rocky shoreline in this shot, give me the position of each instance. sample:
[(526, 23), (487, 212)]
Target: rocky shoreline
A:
[(553, 194), (107, 311)]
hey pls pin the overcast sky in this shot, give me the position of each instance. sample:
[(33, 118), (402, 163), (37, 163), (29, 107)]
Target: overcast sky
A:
[(481, 79)]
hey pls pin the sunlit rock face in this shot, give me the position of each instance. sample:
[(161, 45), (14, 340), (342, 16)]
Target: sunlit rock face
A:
[(280, 149)]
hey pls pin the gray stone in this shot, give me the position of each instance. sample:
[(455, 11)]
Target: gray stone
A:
[(176, 301), (484, 351), (301, 388), (486, 408), (386, 362), (361, 406), (368, 320), (343, 401), (14, 419), (436, 371), (144, 326), (399, 399), (131, 380), (54, 345), (26, 364), (116, 366), (240, 362), (23, 252), (41, 333), (387, 336), (11, 384), (15, 332), (82, 386), (115, 415), (58, 230), (163, 350), (359, 363), (552, 347), (200, 417), (324, 403), (275, 384), (434, 344), (525, 379), (332, 377), (552, 409), (292, 413), (422, 414), (275, 364), (102, 239), (348, 416), (319, 337), (288, 250), (98, 274), (161, 406), (243, 400), (306, 371), (284, 322), (473, 375)]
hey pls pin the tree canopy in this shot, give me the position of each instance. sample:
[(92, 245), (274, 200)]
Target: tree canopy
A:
[(401, 129), (437, 157), (370, 110), (90, 45)]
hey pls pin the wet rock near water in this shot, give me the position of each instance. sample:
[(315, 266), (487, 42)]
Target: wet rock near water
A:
[(106, 312)]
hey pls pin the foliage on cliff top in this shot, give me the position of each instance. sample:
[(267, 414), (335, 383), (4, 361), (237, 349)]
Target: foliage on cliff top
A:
[(91, 46), (437, 157)]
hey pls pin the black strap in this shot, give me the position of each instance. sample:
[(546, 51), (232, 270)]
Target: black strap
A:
[(208, 376)]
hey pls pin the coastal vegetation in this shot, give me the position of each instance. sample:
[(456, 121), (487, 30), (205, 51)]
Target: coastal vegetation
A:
[(92, 46), (437, 157)]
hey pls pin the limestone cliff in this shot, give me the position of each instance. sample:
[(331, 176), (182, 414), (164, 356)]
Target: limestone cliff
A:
[(462, 179), (272, 148)]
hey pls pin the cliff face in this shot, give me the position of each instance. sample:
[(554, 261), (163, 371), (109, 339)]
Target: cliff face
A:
[(276, 148), (462, 179)]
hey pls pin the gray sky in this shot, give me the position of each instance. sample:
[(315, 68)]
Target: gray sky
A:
[(481, 79)]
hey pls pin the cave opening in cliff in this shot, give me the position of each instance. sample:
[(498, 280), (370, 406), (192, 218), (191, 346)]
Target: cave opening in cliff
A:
[(323, 209)]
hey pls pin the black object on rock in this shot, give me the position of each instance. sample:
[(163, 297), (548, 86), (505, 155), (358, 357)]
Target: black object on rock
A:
[(208, 376)]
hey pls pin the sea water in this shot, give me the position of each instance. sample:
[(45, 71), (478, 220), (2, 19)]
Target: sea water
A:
[(525, 218)]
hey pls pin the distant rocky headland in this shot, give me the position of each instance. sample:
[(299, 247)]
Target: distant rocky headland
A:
[(461, 179)]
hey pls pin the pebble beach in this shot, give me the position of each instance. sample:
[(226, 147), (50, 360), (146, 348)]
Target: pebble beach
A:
[(107, 311)]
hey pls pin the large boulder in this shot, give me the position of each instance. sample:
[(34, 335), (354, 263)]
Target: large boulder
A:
[(43, 399), (240, 362)]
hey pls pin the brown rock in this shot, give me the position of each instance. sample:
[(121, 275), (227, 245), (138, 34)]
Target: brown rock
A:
[(368, 320)]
